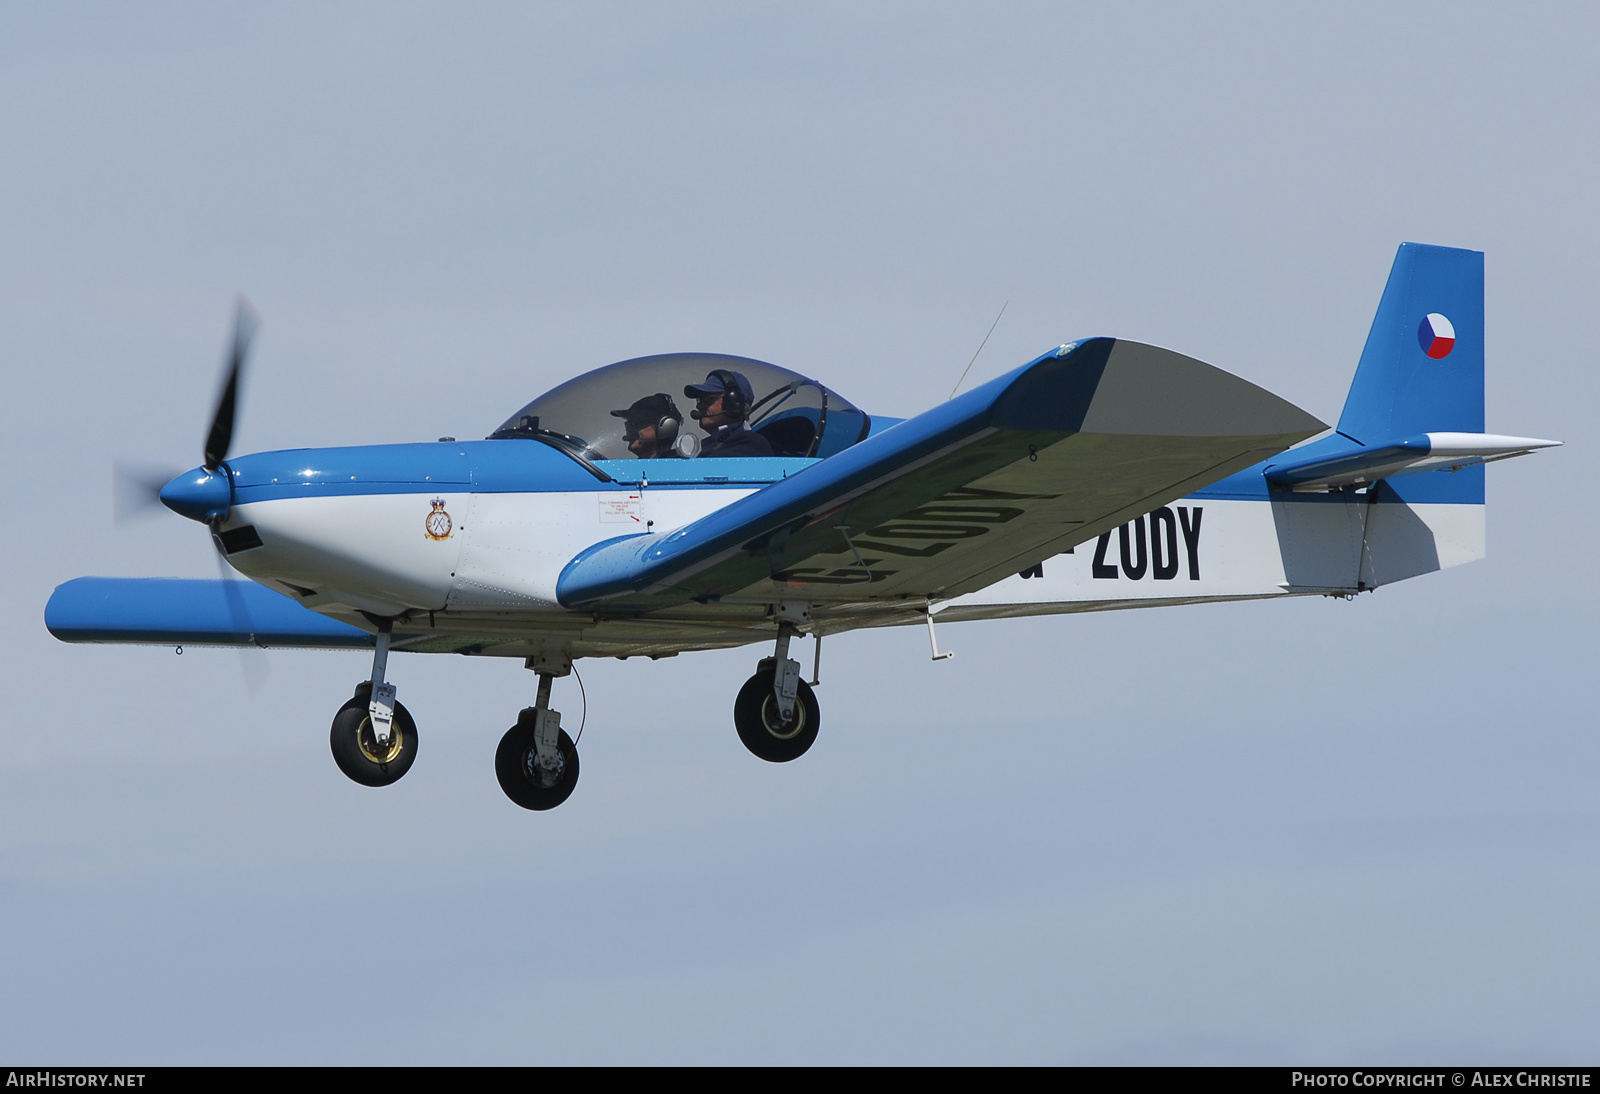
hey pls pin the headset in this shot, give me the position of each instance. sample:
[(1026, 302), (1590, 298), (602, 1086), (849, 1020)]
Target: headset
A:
[(733, 403), (667, 426)]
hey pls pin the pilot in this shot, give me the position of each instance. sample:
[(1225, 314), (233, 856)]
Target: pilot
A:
[(650, 426), (722, 407)]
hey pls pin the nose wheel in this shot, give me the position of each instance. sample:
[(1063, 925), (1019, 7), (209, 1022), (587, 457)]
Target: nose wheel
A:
[(365, 755)]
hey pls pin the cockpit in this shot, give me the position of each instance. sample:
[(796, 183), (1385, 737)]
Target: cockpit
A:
[(650, 407)]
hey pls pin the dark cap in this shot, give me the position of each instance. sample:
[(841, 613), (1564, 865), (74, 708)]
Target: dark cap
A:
[(723, 381), (649, 410)]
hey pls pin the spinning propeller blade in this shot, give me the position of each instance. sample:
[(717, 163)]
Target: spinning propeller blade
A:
[(245, 322), (136, 489), (203, 494), (253, 668)]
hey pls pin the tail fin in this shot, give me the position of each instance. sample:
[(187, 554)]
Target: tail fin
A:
[(1422, 368)]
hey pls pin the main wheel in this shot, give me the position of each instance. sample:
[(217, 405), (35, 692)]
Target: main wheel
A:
[(516, 765), (356, 749), (755, 715)]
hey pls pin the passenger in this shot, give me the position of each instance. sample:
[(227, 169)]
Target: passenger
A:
[(650, 426), (722, 407)]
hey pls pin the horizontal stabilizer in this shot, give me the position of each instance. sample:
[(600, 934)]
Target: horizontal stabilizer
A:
[(1080, 440), (170, 611), (1360, 466)]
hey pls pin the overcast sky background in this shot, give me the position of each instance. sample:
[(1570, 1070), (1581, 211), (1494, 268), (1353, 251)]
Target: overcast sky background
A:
[(1308, 832)]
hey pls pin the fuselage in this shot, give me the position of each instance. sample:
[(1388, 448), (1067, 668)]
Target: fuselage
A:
[(484, 529)]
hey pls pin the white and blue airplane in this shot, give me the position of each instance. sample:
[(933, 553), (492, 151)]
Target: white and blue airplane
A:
[(1104, 474)]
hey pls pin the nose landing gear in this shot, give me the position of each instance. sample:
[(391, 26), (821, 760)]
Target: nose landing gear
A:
[(373, 738), (361, 753)]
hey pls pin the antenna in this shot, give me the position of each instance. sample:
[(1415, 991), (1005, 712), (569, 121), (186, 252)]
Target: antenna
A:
[(981, 344)]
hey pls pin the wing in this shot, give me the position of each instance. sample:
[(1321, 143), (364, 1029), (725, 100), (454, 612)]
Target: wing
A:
[(1064, 448), (170, 611)]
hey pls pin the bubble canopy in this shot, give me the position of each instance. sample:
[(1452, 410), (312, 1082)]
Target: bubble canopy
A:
[(798, 416)]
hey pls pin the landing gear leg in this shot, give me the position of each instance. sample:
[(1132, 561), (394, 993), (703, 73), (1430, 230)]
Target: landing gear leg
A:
[(776, 712), (785, 673), (537, 763), (374, 739)]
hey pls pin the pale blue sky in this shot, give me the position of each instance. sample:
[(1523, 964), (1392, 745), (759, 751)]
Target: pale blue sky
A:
[(1290, 832)]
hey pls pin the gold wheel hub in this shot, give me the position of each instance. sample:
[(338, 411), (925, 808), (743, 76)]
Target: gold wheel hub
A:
[(774, 724), (367, 740)]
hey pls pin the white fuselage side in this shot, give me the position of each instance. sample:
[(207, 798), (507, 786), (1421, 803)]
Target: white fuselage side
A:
[(1228, 549), (505, 551)]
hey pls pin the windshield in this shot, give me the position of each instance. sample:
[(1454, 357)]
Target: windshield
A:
[(639, 409)]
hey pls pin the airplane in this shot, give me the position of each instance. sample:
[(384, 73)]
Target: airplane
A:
[(1103, 474)]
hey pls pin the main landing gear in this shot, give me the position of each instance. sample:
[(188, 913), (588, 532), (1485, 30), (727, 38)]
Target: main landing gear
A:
[(537, 763), (374, 740), (776, 712)]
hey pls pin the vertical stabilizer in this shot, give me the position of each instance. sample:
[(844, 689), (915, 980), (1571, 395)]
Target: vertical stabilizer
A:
[(1422, 368)]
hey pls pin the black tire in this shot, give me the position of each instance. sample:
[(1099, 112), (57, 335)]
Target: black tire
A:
[(755, 716), (355, 746), (514, 761)]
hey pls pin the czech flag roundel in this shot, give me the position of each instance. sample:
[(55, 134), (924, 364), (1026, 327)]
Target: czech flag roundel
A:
[(1437, 336)]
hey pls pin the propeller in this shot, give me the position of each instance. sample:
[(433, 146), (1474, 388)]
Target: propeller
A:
[(204, 494), (252, 666), (218, 441), (136, 489), (245, 322)]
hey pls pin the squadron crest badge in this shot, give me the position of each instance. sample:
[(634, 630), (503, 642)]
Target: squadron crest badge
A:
[(438, 524)]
